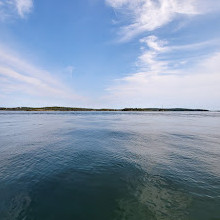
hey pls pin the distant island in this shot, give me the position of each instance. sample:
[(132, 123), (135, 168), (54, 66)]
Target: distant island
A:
[(104, 109)]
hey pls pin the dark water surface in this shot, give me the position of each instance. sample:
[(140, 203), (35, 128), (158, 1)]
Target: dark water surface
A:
[(109, 165)]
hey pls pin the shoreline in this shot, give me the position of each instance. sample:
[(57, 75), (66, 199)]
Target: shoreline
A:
[(43, 109)]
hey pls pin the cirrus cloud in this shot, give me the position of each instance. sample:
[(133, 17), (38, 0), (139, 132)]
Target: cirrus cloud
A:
[(14, 8), (18, 77), (149, 15)]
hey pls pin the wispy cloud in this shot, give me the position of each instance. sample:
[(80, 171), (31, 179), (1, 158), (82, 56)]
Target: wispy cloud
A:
[(161, 78), (157, 57), (23, 7), (165, 81), (18, 76), (199, 88), (14, 8), (148, 15), (148, 60)]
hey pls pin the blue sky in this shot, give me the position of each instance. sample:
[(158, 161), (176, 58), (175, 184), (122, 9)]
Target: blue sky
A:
[(110, 53)]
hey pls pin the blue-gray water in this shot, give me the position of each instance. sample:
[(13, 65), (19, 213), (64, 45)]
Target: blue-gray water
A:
[(109, 165)]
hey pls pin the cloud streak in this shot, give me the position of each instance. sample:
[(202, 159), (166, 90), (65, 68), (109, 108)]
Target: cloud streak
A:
[(199, 88), (161, 78), (149, 15), (165, 82), (23, 7), (14, 8), (18, 76)]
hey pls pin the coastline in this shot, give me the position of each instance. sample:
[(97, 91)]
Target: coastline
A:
[(103, 109)]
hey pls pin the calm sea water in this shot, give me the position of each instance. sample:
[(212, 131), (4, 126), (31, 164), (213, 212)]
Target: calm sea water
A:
[(109, 165)]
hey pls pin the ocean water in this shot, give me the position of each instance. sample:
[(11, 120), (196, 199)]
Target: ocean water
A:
[(109, 165)]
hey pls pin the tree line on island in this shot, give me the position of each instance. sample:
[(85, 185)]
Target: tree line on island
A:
[(56, 108)]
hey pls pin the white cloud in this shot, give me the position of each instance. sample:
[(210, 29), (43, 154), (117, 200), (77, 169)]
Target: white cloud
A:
[(199, 88), (161, 78), (148, 15), (148, 60), (13, 8), (160, 82), (23, 7), (155, 59), (154, 43), (18, 76)]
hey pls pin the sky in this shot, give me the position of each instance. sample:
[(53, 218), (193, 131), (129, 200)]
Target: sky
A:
[(110, 53)]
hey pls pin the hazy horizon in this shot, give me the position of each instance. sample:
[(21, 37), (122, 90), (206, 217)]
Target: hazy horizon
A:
[(110, 53), (88, 107)]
